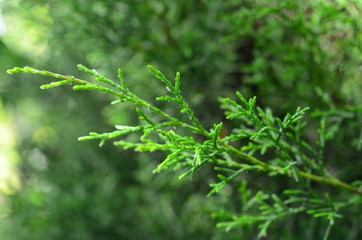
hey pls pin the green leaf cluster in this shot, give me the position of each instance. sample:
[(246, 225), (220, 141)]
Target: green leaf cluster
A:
[(271, 145)]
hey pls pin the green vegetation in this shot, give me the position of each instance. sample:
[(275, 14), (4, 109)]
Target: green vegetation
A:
[(285, 167)]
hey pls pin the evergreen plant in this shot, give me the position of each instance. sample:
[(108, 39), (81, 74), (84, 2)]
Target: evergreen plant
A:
[(270, 145), (270, 168)]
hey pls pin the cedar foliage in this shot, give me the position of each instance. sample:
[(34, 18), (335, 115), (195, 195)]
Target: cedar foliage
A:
[(279, 164)]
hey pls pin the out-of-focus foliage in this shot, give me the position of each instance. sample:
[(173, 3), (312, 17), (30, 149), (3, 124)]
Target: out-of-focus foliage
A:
[(280, 51), (301, 45)]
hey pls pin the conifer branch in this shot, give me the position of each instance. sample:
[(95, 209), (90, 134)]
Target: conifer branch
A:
[(192, 149), (236, 111)]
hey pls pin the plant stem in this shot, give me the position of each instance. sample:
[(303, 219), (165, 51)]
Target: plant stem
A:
[(270, 168)]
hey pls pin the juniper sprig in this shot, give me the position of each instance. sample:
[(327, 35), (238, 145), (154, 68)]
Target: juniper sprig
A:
[(271, 145)]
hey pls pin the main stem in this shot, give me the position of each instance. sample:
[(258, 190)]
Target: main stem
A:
[(269, 168)]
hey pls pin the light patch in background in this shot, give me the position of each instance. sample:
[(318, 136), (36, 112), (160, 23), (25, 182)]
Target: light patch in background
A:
[(37, 159), (9, 177), (28, 35), (2, 23)]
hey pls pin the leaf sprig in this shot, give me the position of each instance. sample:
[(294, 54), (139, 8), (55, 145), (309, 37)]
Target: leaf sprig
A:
[(274, 146)]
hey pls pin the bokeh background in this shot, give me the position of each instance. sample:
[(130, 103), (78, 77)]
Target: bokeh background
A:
[(288, 53)]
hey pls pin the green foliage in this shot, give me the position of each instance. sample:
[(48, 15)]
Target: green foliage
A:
[(189, 147), (274, 169), (300, 46)]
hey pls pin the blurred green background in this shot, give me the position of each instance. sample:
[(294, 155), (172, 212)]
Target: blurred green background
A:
[(54, 187)]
